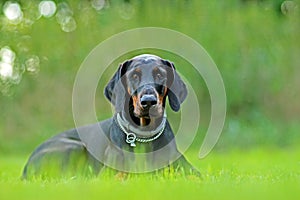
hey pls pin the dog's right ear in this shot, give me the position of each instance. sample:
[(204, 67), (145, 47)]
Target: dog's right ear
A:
[(110, 90)]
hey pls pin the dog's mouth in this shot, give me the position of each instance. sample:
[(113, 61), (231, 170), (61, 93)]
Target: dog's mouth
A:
[(151, 112)]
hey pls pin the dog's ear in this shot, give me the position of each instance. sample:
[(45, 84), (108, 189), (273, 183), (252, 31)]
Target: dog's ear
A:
[(177, 91), (111, 90)]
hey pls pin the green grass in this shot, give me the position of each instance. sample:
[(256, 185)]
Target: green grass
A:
[(253, 174), (257, 52)]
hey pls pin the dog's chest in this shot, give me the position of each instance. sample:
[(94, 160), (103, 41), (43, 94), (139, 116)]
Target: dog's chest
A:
[(140, 148)]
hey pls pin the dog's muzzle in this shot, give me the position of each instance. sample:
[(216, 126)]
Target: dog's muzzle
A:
[(148, 97)]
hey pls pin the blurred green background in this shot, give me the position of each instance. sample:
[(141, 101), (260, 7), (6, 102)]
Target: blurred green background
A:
[(255, 45)]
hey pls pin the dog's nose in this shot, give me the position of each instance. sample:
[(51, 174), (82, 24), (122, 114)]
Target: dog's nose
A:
[(148, 100), (148, 97)]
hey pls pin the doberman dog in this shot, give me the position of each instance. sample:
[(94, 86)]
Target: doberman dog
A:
[(138, 92)]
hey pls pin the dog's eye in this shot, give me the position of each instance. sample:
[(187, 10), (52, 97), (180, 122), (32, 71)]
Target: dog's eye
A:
[(159, 76), (135, 77)]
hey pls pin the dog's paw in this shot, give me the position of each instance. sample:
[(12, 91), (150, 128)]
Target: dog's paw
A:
[(194, 173), (121, 176)]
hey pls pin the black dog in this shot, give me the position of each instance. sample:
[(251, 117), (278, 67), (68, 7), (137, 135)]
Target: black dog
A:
[(138, 91)]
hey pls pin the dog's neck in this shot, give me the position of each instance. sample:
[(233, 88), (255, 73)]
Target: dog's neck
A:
[(144, 123), (151, 123)]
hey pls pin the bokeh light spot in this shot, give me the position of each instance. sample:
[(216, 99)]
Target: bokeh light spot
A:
[(7, 58), (288, 7), (6, 70), (69, 24), (98, 4), (7, 55), (64, 17), (13, 12), (47, 8), (32, 64)]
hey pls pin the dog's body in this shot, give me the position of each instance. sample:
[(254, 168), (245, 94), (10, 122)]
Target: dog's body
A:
[(138, 91)]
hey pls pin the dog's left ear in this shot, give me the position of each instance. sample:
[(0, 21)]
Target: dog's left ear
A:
[(177, 91), (111, 91)]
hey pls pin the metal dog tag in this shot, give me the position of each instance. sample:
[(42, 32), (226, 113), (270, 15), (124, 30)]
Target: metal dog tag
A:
[(130, 139)]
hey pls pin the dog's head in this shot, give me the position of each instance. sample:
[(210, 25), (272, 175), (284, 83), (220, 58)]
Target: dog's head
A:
[(143, 83)]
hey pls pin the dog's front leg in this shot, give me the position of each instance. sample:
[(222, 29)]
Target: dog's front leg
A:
[(119, 161), (114, 158), (185, 166)]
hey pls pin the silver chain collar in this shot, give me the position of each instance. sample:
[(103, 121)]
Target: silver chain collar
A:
[(132, 137)]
